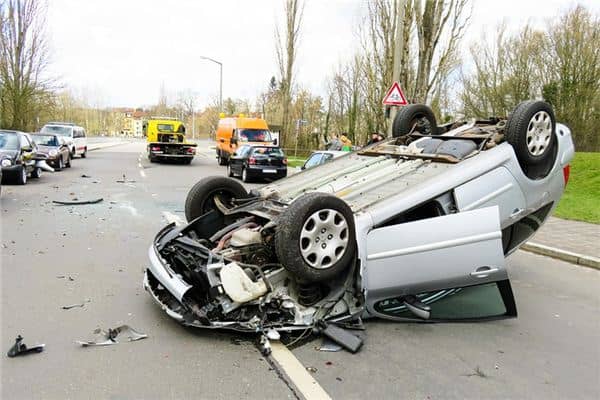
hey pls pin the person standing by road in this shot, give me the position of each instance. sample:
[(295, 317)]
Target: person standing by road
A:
[(346, 143), (334, 144)]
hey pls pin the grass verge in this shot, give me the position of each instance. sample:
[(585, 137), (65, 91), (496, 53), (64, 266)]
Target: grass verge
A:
[(581, 200)]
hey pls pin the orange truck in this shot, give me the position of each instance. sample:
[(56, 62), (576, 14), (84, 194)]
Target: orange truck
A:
[(233, 132)]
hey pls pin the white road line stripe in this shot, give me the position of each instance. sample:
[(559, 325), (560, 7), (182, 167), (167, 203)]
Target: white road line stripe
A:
[(142, 173), (170, 217), (300, 377)]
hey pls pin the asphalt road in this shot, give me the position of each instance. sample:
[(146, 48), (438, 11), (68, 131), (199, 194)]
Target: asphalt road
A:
[(551, 351)]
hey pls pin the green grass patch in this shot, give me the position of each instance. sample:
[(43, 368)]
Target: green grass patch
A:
[(296, 161), (581, 200)]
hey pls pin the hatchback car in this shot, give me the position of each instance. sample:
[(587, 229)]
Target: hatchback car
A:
[(258, 162), (414, 228), (19, 157), (56, 148), (75, 136)]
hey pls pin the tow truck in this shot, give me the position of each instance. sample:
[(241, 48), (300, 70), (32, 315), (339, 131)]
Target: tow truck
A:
[(166, 140)]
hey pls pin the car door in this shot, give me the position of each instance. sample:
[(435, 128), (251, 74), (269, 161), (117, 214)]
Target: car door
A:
[(449, 267), (237, 159)]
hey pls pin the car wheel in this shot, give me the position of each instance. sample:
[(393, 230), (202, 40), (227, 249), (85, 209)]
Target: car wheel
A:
[(229, 171), (315, 238), (36, 173), (22, 176), (414, 118), (245, 176), (61, 163), (84, 154), (68, 164), (530, 130), (201, 198), (221, 160)]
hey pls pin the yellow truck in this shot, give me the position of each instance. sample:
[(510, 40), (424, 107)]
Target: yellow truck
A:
[(166, 140)]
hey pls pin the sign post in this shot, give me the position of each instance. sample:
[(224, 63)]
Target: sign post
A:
[(393, 98)]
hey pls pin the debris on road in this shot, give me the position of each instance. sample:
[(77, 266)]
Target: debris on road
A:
[(106, 338), (328, 345), (20, 348), (125, 180), (85, 176), (311, 369), (77, 202), (81, 305)]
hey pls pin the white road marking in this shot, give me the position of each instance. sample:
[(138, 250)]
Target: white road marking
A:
[(301, 378), (170, 217), (142, 173)]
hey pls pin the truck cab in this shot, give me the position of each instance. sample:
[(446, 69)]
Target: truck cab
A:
[(166, 140)]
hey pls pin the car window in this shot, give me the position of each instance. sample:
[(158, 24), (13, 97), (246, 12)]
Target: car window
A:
[(268, 151), (9, 141), (24, 142), (46, 140), (242, 151), (165, 127), (479, 301), (313, 160), (254, 135), (58, 130)]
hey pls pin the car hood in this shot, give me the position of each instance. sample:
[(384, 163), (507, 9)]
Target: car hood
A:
[(8, 154), (46, 149)]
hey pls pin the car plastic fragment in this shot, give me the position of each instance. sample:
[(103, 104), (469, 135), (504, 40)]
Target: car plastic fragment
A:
[(20, 348), (343, 337), (264, 345), (77, 202), (329, 346), (106, 338)]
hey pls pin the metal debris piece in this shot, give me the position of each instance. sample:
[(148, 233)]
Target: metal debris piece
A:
[(329, 345), (82, 304), (311, 369), (77, 202), (85, 176), (264, 345), (106, 338), (272, 334), (20, 348)]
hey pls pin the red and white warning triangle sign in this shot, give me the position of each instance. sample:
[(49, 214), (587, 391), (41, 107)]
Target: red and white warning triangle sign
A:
[(395, 96)]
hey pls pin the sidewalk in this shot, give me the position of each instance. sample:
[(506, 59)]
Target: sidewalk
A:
[(571, 241)]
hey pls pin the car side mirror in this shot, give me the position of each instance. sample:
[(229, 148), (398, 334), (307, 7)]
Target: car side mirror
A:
[(234, 141), (275, 142)]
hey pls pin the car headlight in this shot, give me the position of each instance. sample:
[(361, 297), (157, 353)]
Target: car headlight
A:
[(6, 162), (52, 153)]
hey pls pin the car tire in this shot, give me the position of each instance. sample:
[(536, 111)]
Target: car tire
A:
[(414, 118), (61, 163), (200, 198), (21, 177), (245, 177), (229, 171), (303, 244), (530, 129), (84, 154), (68, 164), (36, 173), (187, 161), (221, 160)]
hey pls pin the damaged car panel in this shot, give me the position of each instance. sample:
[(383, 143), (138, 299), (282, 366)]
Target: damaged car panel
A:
[(405, 229)]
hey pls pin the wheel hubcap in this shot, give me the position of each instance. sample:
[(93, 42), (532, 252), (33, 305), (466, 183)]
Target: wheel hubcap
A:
[(324, 238), (539, 132)]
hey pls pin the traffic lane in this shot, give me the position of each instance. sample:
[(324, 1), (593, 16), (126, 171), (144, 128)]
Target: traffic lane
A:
[(103, 248), (550, 351)]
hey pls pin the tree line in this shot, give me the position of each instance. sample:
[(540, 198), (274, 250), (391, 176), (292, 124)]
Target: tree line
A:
[(416, 41)]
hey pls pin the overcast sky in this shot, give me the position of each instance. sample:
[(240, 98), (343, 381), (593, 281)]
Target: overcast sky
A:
[(119, 52)]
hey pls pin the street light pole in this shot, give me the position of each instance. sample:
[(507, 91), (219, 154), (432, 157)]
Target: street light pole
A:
[(220, 79)]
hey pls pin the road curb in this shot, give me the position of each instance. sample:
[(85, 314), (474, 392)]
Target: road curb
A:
[(564, 255)]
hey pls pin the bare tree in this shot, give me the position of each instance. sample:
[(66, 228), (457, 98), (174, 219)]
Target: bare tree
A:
[(286, 50), (23, 62), (431, 20)]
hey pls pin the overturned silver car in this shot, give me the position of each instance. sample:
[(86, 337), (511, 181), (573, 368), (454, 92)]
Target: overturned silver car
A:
[(413, 228)]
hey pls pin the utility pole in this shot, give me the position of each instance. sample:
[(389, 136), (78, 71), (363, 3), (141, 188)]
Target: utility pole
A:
[(398, 55), (220, 79)]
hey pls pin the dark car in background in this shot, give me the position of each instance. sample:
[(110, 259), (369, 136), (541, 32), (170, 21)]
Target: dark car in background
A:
[(18, 157), (55, 147), (258, 162)]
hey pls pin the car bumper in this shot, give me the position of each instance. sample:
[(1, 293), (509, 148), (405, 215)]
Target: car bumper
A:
[(263, 171), (12, 169)]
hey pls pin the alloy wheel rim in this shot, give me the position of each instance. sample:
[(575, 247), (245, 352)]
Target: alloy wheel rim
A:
[(539, 132), (324, 238), (24, 173)]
